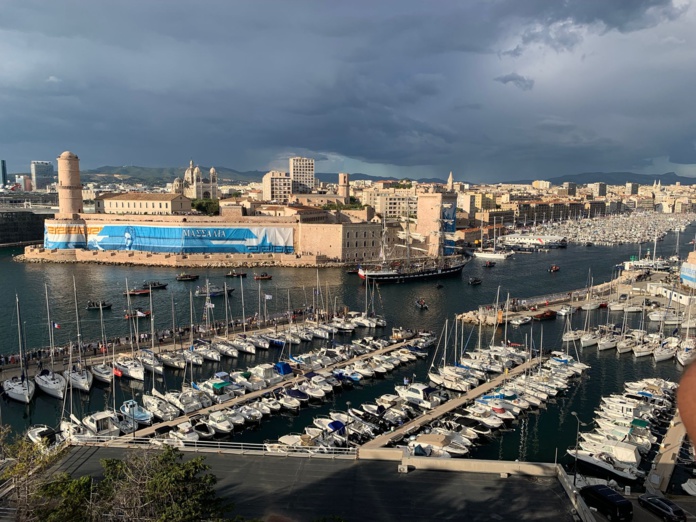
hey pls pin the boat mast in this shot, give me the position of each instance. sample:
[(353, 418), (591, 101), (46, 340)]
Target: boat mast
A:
[(50, 327), (152, 322), (77, 317), (241, 282), (173, 318), (19, 335), (260, 316), (191, 315), (227, 314)]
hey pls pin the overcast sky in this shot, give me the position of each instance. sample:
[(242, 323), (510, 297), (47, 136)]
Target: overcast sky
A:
[(491, 89)]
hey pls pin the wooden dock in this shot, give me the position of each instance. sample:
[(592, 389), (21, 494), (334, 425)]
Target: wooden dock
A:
[(441, 410), (666, 459)]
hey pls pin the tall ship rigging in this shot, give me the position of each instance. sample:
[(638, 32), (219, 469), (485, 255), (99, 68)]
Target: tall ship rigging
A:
[(401, 269)]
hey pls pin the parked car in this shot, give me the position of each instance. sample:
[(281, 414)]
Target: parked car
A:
[(662, 507), (608, 502)]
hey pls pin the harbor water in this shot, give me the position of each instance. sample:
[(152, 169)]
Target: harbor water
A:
[(541, 436)]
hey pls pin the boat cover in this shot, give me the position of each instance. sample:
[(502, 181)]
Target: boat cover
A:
[(337, 427), (283, 368)]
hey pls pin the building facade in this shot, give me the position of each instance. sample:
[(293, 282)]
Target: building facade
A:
[(142, 203), (302, 175), (41, 174), (277, 186), (195, 185)]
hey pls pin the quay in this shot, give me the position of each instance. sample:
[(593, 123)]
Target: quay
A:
[(665, 461), (629, 283), (452, 404)]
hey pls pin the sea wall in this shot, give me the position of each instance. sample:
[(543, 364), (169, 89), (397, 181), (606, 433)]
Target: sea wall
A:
[(33, 254)]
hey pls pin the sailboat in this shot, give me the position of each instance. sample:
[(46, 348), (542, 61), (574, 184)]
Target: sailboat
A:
[(494, 253), (451, 377), (403, 270), (102, 372), (128, 365), (77, 375), (47, 380), (20, 388)]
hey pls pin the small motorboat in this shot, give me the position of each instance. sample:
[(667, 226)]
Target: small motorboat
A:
[(519, 321), (137, 291), (263, 276), (421, 304), (132, 410), (473, 281), (234, 273), (352, 271), (155, 285), (554, 268), (98, 305), (183, 276), (545, 315), (137, 313), (211, 291), (489, 264)]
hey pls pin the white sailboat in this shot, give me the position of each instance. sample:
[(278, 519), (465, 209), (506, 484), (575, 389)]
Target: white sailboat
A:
[(492, 253), (128, 365), (20, 388), (47, 380), (103, 372), (77, 375)]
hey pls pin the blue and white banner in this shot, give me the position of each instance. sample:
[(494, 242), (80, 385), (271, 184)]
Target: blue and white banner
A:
[(190, 239), (64, 235)]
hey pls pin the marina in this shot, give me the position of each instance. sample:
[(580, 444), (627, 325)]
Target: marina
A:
[(520, 443)]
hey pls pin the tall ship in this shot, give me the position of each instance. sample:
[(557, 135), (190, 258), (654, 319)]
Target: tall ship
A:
[(402, 269)]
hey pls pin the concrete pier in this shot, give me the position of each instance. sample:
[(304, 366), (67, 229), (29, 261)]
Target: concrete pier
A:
[(666, 459), (450, 405)]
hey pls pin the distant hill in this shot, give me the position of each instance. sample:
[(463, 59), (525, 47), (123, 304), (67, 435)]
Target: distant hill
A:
[(621, 178), (163, 175), (160, 175)]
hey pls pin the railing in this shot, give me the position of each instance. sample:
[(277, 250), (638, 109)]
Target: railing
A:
[(240, 448)]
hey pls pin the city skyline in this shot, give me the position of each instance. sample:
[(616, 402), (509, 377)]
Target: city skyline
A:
[(502, 90)]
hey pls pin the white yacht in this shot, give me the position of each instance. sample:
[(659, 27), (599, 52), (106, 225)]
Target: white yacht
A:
[(129, 367), (79, 378), (51, 383)]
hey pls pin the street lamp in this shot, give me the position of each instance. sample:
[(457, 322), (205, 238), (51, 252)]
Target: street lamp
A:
[(577, 443)]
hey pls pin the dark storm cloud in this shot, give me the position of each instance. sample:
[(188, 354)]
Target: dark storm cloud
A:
[(385, 86), (519, 81)]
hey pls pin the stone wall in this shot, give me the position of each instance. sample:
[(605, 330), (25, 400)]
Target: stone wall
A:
[(43, 255)]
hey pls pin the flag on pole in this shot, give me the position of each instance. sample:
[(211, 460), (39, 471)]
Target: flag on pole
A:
[(138, 313), (56, 325), (268, 297), (210, 305)]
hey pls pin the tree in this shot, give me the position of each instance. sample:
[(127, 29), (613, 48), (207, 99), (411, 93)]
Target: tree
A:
[(155, 485), (210, 207), (25, 471)]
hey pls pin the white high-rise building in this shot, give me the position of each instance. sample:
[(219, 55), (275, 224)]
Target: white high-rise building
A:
[(41, 174), (277, 186), (302, 175)]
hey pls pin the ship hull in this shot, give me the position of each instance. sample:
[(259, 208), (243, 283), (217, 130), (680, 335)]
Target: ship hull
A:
[(405, 277)]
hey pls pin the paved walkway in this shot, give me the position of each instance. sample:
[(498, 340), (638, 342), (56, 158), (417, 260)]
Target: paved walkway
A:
[(666, 459)]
